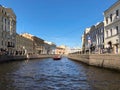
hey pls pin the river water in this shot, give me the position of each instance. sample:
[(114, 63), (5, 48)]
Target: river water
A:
[(48, 74)]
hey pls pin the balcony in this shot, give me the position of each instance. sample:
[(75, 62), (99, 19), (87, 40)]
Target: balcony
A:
[(10, 44)]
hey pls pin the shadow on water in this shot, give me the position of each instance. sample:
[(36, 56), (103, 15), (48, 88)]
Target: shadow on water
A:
[(48, 74)]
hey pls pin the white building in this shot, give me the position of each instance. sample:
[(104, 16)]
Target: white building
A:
[(86, 41), (49, 47), (7, 30), (112, 27), (93, 39)]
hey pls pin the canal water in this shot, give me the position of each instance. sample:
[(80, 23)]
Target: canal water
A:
[(48, 74)]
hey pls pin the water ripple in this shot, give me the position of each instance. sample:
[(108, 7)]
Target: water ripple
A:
[(47, 74)]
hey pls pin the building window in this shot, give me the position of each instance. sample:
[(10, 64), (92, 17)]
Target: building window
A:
[(2, 34), (101, 30), (2, 22), (102, 38), (117, 13), (111, 17), (106, 34), (2, 42), (2, 11), (2, 26), (5, 13), (106, 20), (110, 32), (117, 30), (5, 24), (5, 43), (2, 19)]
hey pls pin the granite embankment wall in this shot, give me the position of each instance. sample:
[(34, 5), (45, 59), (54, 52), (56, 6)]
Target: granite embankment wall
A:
[(40, 56), (101, 60), (5, 58)]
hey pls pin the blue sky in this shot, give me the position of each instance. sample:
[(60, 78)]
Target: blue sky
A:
[(58, 21)]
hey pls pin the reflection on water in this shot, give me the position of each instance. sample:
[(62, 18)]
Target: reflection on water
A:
[(47, 74)]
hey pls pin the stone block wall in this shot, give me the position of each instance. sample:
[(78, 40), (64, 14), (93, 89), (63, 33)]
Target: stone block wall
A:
[(111, 61)]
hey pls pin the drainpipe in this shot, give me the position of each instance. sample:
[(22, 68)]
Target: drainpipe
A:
[(119, 42)]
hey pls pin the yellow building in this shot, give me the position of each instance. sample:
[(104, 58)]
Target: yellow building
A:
[(60, 50), (38, 43), (24, 45), (7, 31)]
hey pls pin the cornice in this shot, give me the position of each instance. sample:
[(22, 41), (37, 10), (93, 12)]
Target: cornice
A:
[(112, 6)]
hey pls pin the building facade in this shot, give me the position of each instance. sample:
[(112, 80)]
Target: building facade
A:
[(7, 31), (38, 43), (87, 40), (46, 49), (112, 28), (50, 47), (96, 35), (93, 38), (99, 37), (83, 42), (60, 50), (24, 45)]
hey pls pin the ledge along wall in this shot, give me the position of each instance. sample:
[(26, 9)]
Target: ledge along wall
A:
[(11, 58), (5, 58), (40, 56), (101, 60)]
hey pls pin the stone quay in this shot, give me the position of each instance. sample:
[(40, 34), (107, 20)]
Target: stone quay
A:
[(110, 61)]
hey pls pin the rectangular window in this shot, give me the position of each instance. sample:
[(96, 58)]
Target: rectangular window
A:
[(111, 17), (117, 30), (5, 43), (117, 13), (106, 34), (2, 11), (101, 30), (2, 26), (5, 24), (110, 32), (2, 42), (106, 20), (2, 22)]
